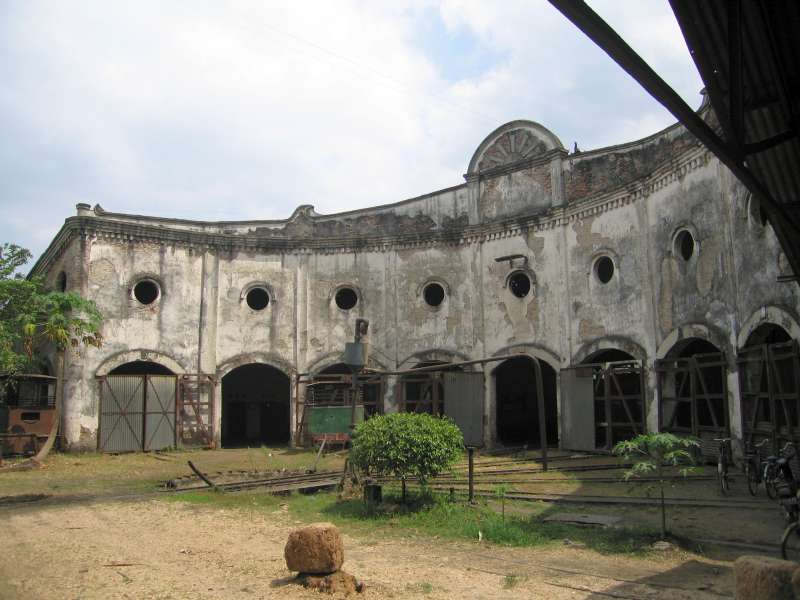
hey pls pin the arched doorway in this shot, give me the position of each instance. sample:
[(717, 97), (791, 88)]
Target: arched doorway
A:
[(333, 386), (424, 392), (255, 406), (517, 402), (138, 408), (141, 367), (608, 385), (769, 384), (693, 392)]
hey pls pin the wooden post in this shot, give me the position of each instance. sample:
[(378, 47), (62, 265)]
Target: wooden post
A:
[(471, 454), (537, 368)]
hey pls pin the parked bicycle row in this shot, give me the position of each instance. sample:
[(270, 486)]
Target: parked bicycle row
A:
[(774, 473)]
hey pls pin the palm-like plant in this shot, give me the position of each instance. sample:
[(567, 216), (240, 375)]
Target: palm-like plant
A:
[(654, 454)]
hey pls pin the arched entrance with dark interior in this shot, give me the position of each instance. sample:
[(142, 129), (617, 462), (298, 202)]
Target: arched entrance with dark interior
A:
[(141, 367), (517, 402), (693, 392), (769, 384), (333, 386), (424, 392), (617, 396), (255, 406), (138, 408)]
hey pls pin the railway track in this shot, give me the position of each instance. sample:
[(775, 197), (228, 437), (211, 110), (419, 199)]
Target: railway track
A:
[(618, 500), (279, 483)]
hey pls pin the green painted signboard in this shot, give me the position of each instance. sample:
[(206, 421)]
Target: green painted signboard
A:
[(332, 419)]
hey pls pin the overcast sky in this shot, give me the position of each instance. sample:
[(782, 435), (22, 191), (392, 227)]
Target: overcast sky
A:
[(245, 110)]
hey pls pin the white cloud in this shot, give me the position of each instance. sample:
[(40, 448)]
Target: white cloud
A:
[(219, 111)]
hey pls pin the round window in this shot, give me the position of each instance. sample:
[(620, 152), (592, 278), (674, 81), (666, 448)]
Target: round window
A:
[(346, 298), (684, 244), (257, 298), (433, 294), (604, 269), (520, 284), (146, 291)]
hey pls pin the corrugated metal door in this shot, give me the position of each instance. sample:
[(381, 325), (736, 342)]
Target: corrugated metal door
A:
[(122, 413), (464, 394), (137, 412), (577, 409), (159, 420)]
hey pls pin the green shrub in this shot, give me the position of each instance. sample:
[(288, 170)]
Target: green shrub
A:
[(406, 445)]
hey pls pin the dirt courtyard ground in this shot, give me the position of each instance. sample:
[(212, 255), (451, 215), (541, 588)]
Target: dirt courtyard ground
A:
[(149, 548)]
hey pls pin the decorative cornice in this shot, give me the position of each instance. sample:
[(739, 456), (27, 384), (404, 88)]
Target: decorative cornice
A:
[(128, 232)]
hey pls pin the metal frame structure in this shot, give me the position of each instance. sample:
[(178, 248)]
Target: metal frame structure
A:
[(335, 389), (691, 382), (615, 403), (195, 410), (769, 383)]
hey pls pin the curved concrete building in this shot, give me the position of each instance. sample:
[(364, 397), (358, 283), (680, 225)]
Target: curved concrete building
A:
[(641, 276)]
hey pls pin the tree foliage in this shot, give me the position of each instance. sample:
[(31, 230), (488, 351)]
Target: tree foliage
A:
[(32, 317), (406, 445), (654, 455)]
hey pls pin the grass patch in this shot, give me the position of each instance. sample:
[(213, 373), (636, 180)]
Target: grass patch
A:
[(435, 516), (137, 472)]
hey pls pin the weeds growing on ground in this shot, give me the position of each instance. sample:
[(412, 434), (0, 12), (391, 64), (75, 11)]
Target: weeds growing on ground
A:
[(433, 515)]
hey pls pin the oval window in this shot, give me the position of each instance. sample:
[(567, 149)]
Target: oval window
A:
[(684, 244), (520, 284), (604, 269)]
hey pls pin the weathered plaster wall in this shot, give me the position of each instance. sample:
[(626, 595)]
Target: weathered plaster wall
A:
[(559, 212)]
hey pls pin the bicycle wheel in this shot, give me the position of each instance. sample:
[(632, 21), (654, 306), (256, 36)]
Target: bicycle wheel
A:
[(790, 543), (722, 477), (769, 483), (752, 479)]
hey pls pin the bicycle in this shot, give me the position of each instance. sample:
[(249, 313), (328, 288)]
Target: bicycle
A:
[(790, 542), (724, 459), (778, 474), (754, 466)]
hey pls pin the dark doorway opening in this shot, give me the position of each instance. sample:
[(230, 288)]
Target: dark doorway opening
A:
[(618, 404), (767, 333), (424, 392), (517, 403), (769, 383), (693, 393), (141, 367), (255, 406), (333, 386)]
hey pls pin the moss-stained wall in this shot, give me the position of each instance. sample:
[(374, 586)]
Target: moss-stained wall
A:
[(543, 212)]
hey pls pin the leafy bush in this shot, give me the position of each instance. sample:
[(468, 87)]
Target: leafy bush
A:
[(406, 445)]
